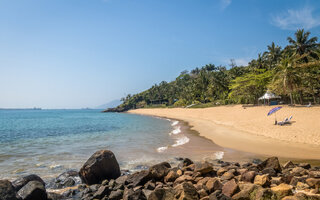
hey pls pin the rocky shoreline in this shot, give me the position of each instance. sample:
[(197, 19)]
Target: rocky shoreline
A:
[(101, 178)]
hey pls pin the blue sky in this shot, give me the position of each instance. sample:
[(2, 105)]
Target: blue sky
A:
[(83, 53)]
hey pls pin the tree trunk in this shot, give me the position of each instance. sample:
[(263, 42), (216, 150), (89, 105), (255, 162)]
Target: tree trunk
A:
[(300, 96), (291, 103)]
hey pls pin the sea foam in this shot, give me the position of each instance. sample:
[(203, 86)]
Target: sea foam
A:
[(176, 131), (161, 149), (175, 123), (181, 141), (219, 155)]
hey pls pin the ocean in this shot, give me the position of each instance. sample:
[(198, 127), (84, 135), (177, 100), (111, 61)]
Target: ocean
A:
[(49, 142)]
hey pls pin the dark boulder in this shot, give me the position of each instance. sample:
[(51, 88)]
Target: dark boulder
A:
[(159, 171), (203, 167), (186, 191), (138, 178), (7, 191), (162, 194), (20, 182), (272, 162), (130, 194), (33, 190), (101, 192), (66, 179), (116, 195), (100, 166)]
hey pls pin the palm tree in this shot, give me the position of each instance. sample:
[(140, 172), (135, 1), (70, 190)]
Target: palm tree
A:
[(301, 44), (285, 80), (273, 54)]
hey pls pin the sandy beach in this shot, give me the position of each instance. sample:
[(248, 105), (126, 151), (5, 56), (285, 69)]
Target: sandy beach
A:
[(251, 130)]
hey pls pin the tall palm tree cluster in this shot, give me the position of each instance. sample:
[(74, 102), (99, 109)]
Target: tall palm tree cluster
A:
[(292, 72)]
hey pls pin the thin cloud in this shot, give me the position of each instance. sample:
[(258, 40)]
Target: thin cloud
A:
[(224, 4), (293, 19), (241, 61)]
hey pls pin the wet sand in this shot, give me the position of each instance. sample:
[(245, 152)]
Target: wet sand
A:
[(250, 130)]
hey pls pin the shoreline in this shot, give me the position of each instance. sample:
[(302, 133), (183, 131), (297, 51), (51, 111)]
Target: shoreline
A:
[(231, 137)]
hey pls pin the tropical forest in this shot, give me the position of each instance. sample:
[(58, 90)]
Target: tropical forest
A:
[(292, 72)]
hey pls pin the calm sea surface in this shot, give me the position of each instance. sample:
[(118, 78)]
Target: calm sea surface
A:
[(49, 142)]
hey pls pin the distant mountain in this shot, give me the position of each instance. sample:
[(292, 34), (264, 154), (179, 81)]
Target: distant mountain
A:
[(110, 104)]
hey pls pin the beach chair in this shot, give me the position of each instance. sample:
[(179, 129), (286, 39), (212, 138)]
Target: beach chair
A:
[(285, 121)]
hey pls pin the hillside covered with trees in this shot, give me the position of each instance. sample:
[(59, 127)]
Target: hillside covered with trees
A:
[(293, 72)]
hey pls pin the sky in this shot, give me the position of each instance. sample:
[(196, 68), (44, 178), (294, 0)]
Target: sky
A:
[(84, 53)]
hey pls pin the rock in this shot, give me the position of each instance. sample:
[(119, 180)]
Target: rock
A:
[(189, 173), (183, 178), (162, 194), (230, 188), (290, 198), (269, 171), (298, 171), (276, 180), (288, 165), (121, 180), (179, 172), (100, 166), (33, 190), (305, 165), (262, 180), (130, 194), (302, 186), (159, 171), (213, 184), (248, 176), (314, 174), (116, 195), (101, 192), (203, 167), (272, 162), (147, 192), (7, 191), (263, 193), (20, 182), (312, 182), (186, 191), (203, 181), (202, 193), (282, 190), (297, 179), (256, 161), (227, 176), (247, 190), (66, 179), (139, 178), (187, 162), (150, 185), (171, 176), (55, 196), (221, 171), (188, 168)]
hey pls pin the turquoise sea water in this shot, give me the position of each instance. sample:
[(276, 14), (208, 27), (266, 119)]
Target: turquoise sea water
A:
[(48, 142)]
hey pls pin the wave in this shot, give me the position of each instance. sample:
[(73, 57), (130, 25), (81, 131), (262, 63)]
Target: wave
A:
[(55, 166), (176, 131), (161, 149), (219, 155), (181, 141), (175, 123)]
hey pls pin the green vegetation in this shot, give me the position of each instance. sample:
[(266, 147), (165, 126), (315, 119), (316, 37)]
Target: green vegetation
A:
[(292, 72)]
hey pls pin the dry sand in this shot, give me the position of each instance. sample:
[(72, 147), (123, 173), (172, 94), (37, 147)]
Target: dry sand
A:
[(251, 130)]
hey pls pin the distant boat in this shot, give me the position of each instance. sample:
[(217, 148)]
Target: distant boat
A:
[(35, 108)]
